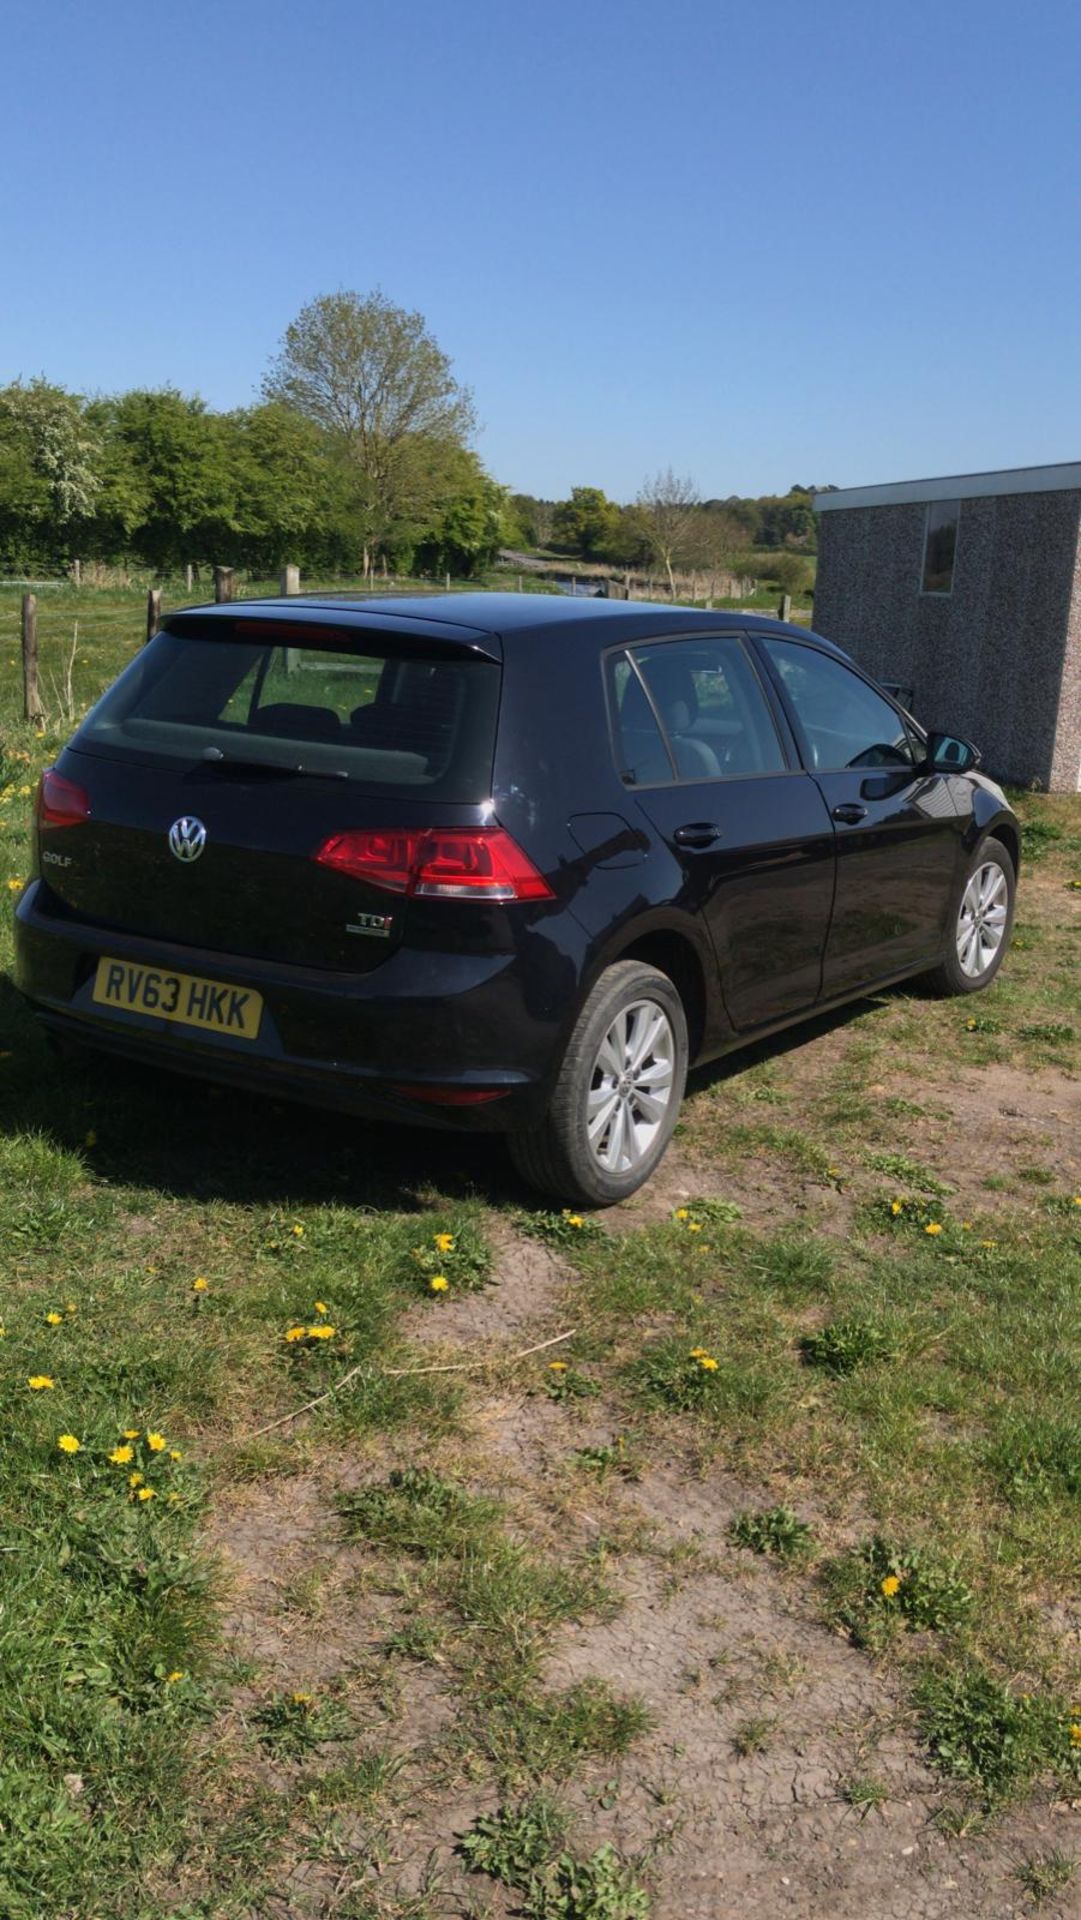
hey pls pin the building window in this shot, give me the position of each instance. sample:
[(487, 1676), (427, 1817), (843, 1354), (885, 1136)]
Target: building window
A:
[(940, 545)]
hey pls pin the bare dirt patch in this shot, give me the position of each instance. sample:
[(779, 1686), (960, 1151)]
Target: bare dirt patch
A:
[(736, 1797)]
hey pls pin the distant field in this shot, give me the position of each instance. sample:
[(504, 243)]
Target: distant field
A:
[(753, 1592), (107, 625)]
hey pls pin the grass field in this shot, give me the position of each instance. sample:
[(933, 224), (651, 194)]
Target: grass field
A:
[(760, 1582)]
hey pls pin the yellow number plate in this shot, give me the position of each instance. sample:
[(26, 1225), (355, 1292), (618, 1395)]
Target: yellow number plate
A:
[(182, 997)]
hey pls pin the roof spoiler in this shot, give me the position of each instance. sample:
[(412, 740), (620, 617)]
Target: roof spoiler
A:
[(325, 627)]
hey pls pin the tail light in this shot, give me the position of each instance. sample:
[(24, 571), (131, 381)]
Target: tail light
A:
[(443, 863), (60, 802)]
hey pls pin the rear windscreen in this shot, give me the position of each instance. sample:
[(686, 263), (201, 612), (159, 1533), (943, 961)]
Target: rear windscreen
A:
[(387, 719)]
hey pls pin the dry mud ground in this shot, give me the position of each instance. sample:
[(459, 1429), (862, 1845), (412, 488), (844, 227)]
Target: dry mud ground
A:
[(706, 1636)]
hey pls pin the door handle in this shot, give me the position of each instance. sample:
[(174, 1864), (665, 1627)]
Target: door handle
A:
[(697, 834), (850, 813)]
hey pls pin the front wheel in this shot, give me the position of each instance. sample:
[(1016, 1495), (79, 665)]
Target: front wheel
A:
[(981, 923), (618, 1094)]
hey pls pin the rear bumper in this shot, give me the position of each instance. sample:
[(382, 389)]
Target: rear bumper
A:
[(449, 1023)]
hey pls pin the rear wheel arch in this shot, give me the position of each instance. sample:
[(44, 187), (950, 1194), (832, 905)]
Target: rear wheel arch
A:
[(617, 1096), (673, 953)]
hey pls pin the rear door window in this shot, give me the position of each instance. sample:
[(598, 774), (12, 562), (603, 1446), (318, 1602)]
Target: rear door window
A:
[(695, 710), (388, 719)]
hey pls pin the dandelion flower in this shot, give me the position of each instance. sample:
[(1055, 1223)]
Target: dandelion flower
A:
[(891, 1585), (14, 886), (966, 1226), (54, 1319), (989, 1243), (438, 1283), (708, 1363), (444, 1242), (156, 1442), (298, 1231), (933, 1226), (122, 1456), (322, 1332), (694, 1226), (175, 1453), (833, 1172), (574, 1220), (145, 1493), (135, 1479), (172, 1678), (68, 1443), (699, 1353), (39, 1381), (1077, 1199), (681, 1213), (70, 1307), (131, 1433), (896, 1207), (320, 1306), (302, 1699), (557, 1366), (199, 1284), (295, 1333)]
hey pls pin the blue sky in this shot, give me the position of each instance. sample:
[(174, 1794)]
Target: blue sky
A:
[(763, 244)]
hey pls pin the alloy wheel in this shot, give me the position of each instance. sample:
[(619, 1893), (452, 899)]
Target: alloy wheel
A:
[(631, 1086), (981, 923)]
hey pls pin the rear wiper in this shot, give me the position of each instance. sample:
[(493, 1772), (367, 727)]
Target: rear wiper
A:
[(213, 756)]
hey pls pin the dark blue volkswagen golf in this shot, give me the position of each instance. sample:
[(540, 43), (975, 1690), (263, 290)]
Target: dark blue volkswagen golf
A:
[(504, 862)]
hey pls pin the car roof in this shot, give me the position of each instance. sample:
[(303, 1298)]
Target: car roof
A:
[(512, 615)]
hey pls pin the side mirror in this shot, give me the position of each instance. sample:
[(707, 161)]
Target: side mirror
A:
[(948, 754)]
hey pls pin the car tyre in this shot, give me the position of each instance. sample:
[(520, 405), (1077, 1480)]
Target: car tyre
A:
[(981, 922), (617, 1097)]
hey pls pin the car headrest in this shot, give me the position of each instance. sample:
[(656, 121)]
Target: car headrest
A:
[(672, 686)]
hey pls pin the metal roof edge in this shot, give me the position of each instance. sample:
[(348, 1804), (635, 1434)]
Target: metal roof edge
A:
[(1065, 477)]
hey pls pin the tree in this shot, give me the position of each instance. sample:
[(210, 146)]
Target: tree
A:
[(586, 522), (534, 518), (175, 468), (668, 505), (788, 519), (50, 478), (470, 524), (375, 380), (287, 496)]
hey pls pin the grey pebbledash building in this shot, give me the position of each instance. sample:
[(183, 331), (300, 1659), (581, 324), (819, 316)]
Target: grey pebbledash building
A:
[(965, 592)]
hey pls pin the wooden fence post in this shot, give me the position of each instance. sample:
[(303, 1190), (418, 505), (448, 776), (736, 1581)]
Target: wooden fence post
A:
[(223, 583), (187, 578), (76, 573), (32, 707), (153, 612), (784, 611), (289, 580)]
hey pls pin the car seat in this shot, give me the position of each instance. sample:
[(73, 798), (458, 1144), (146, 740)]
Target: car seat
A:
[(672, 686)]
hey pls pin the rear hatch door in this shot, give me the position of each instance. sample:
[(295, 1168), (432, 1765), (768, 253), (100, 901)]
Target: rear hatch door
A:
[(233, 749)]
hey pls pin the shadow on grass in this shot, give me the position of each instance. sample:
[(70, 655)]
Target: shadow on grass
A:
[(789, 1040), (192, 1140)]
